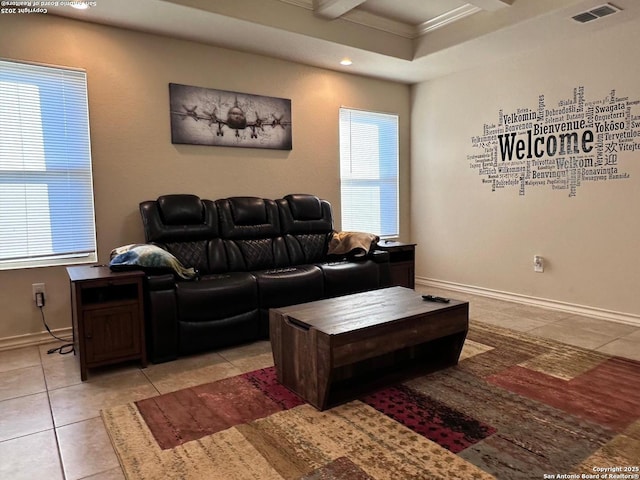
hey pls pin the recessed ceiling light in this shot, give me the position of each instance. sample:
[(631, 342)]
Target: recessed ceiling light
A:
[(346, 62)]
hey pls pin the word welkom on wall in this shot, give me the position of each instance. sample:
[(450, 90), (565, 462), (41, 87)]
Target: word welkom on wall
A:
[(560, 147)]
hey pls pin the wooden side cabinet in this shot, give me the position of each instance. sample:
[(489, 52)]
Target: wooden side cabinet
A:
[(108, 316), (402, 258)]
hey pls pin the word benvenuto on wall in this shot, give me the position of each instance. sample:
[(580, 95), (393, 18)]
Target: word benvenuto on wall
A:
[(560, 146)]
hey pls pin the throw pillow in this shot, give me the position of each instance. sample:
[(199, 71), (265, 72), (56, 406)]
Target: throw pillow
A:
[(150, 258)]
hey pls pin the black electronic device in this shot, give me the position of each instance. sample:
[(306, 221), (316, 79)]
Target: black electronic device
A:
[(433, 298)]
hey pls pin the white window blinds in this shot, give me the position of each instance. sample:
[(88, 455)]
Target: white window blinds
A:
[(369, 172), (46, 188)]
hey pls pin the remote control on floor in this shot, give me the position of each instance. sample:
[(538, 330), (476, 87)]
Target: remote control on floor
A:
[(432, 298)]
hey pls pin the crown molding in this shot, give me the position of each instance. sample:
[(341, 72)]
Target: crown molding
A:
[(307, 4), (366, 19), (447, 18), (395, 27), (381, 23)]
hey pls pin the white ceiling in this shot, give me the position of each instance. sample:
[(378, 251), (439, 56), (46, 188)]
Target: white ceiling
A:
[(401, 40)]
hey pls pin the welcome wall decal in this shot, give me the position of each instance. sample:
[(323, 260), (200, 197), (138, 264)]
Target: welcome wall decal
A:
[(561, 146)]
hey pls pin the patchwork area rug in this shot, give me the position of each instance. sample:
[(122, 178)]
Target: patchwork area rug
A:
[(515, 407)]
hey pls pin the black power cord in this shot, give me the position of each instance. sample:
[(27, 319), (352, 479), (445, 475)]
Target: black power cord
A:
[(63, 349)]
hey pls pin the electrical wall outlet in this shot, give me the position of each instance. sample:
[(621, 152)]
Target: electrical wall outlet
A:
[(38, 288), (538, 264)]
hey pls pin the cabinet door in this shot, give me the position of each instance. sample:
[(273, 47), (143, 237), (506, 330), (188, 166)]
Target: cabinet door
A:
[(111, 333)]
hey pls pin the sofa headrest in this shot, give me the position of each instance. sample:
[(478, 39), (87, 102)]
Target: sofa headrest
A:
[(244, 218), (181, 209), (248, 210), (304, 207), (305, 214), (179, 218)]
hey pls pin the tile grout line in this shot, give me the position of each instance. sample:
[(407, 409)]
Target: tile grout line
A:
[(53, 423), (142, 370), (55, 428), (25, 435)]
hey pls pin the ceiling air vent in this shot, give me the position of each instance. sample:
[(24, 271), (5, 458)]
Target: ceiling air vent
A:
[(595, 13), (584, 17)]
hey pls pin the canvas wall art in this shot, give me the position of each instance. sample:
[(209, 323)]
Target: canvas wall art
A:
[(205, 116)]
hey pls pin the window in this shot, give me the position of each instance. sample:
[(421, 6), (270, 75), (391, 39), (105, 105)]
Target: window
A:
[(46, 189), (369, 172)]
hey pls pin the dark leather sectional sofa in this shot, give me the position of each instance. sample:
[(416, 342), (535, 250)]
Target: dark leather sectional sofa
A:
[(252, 254)]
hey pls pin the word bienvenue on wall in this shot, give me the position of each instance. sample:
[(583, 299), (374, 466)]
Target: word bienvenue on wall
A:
[(561, 147)]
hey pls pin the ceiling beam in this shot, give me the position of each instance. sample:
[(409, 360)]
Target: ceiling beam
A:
[(333, 9), (491, 5)]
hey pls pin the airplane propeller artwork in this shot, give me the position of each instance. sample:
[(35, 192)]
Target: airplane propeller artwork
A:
[(277, 121), (206, 116), (191, 112), (212, 117), (236, 120)]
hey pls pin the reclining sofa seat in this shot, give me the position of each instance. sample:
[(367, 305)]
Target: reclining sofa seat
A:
[(307, 224), (252, 254), (252, 237), (219, 309)]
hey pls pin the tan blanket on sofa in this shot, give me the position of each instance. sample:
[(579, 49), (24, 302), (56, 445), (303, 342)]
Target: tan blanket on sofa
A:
[(356, 243)]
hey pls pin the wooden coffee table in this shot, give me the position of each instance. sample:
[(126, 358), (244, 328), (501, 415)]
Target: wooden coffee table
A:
[(321, 347)]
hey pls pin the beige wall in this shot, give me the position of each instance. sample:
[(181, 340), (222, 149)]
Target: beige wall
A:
[(471, 236), (133, 158)]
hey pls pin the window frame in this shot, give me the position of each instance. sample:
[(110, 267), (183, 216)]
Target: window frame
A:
[(58, 163), (384, 181)]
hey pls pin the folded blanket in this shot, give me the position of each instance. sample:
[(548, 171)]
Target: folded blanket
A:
[(148, 257), (355, 243)]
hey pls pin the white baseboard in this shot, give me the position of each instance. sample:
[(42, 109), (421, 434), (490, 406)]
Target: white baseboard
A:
[(602, 314), (34, 339)]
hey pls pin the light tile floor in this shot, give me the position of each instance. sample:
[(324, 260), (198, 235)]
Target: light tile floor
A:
[(50, 425)]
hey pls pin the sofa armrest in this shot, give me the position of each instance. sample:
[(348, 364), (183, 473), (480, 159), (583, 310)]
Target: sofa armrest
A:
[(382, 258), (379, 256), (165, 281), (161, 318)]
